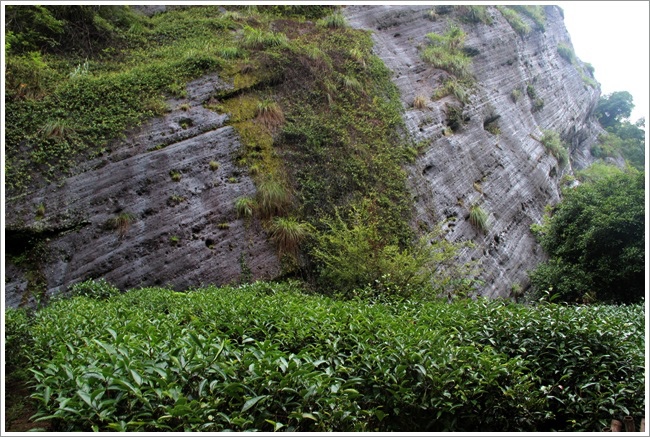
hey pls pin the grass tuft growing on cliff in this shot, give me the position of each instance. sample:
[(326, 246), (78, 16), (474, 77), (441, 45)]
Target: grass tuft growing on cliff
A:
[(554, 145), (514, 19), (445, 52)]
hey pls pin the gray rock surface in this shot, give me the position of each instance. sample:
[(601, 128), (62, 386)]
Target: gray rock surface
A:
[(510, 175), (213, 245), (185, 233)]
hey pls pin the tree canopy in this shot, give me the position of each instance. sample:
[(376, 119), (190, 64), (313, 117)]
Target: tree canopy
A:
[(595, 239), (613, 108), (623, 137)]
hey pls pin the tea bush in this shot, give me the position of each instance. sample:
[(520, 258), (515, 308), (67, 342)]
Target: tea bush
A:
[(268, 357)]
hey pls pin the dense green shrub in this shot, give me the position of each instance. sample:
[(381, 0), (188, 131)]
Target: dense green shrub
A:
[(595, 239), (514, 19), (623, 138), (354, 258), (85, 29), (267, 357), (566, 52), (534, 12), (16, 338), (474, 14), (93, 289)]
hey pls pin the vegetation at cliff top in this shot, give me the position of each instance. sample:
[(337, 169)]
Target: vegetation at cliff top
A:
[(269, 357), (623, 137)]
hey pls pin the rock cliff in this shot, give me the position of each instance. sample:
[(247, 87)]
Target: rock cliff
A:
[(509, 174), (158, 211), (175, 180)]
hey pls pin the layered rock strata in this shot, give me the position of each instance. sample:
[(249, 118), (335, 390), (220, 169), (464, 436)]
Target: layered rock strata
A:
[(495, 159), (160, 210)]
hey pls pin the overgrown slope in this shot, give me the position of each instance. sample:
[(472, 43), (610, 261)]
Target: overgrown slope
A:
[(316, 123)]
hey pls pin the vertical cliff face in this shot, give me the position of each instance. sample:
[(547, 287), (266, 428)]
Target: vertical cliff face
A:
[(495, 160), (160, 208)]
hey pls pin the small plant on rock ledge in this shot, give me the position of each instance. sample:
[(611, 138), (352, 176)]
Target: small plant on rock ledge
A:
[(245, 207), (515, 95), (175, 175), (478, 218), (288, 234), (121, 223), (420, 102), (40, 211)]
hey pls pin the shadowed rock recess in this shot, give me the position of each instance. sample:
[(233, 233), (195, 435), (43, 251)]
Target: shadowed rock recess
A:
[(160, 211)]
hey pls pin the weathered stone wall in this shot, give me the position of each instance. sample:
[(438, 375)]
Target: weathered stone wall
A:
[(510, 175), (214, 245)]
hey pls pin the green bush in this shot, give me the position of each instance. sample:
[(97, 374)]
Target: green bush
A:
[(474, 14), (258, 39), (289, 234), (478, 218), (355, 258), (566, 52), (266, 357), (333, 21), (93, 289), (514, 19), (595, 240), (245, 207), (84, 29), (536, 13), (273, 197), (16, 338), (446, 52)]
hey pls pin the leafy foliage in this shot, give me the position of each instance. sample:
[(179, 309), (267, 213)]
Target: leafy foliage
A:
[(71, 28), (534, 12), (94, 289), (613, 108), (514, 19), (623, 138), (16, 338), (474, 14), (267, 357), (566, 52), (356, 259), (595, 238)]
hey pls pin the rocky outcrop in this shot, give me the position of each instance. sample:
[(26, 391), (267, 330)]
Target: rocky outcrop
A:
[(160, 210), (506, 171)]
